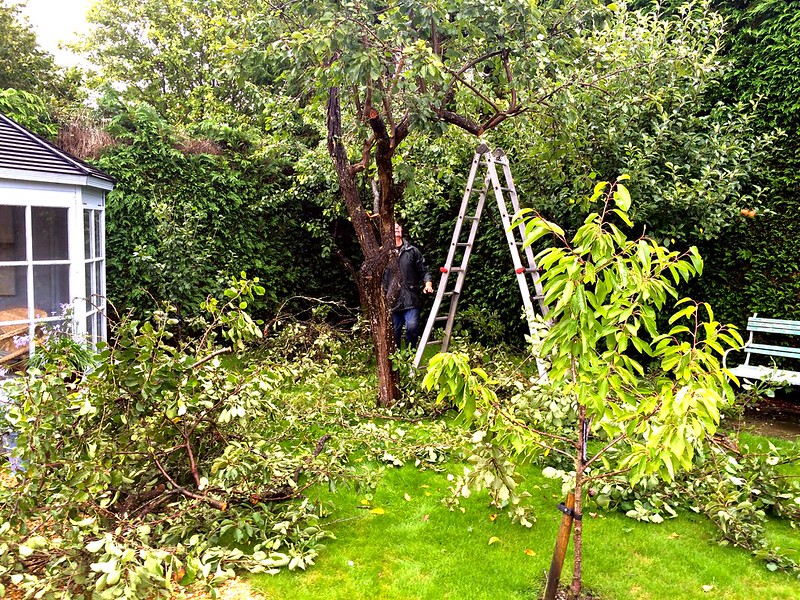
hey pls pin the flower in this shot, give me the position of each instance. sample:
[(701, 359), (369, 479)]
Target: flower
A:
[(21, 340)]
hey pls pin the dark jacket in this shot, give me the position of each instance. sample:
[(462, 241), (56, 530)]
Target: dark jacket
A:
[(413, 272)]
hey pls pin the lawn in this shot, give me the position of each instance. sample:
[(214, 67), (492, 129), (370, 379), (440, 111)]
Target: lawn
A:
[(418, 548)]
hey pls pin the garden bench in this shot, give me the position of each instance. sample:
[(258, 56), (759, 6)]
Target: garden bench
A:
[(775, 327)]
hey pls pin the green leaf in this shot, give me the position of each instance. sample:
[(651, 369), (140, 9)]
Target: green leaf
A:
[(622, 197)]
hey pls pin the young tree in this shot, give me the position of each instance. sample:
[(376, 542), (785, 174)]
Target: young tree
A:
[(606, 292)]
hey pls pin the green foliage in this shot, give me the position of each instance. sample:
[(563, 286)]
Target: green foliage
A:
[(630, 95), (605, 292), (737, 489), (29, 110), (178, 56), (23, 65), (693, 164), (182, 220), (750, 269), (158, 467)]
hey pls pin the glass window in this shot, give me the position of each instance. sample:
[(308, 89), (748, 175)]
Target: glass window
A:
[(50, 287), (13, 293), (98, 282), (12, 233), (87, 231), (50, 233), (98, 234), (89, 288)]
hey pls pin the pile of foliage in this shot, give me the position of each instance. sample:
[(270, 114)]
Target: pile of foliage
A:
[(164, 462)]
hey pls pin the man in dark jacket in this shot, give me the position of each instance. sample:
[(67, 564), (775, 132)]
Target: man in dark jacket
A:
[(412, 272)]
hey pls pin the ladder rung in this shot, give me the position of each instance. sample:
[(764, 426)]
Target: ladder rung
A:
[(463, 245), (455, 270), (470, 218), (432, 342), (442, 318), (538, 297), (453, 293), (508, 189)]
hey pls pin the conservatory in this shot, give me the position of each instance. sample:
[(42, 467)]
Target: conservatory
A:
[(52, 256)]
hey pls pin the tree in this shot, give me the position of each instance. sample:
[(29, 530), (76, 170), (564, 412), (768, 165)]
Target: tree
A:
[(606, 292), (384, 69), (192, 206), (23, 65), (176, 55), (751, 270)]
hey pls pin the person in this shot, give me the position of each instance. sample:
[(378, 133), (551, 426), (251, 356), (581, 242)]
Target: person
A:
[(413, 271)]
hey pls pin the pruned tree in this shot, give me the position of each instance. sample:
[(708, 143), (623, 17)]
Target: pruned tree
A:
[(383, 69)]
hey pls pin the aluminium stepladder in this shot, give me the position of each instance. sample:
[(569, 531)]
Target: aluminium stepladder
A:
[(449, 289)]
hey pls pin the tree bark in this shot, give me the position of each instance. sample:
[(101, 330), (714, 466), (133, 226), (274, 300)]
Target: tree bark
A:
[(377, 246)]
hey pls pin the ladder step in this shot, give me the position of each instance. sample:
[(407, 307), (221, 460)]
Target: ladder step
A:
[(453, 293), (463, 245), (442, 318), (432, 342)]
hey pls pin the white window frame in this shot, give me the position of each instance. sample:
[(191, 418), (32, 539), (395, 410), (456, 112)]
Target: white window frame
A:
[(76, 200)]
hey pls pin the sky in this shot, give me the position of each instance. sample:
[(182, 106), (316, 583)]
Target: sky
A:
[(57, 21)]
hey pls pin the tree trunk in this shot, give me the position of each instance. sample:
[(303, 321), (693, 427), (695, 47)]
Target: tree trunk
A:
[(377, 244), (383, 339), (577, 540)]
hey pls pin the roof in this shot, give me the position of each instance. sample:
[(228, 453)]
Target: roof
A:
[(24, 155)]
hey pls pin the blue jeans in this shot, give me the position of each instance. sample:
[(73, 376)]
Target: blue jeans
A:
[(409, 318)]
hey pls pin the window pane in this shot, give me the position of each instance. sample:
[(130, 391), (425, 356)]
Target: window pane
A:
[(98, 282), (13, 291), (12, 233), (89, 287), (50, 287), (98, 234), (50, 233), (87, 233)]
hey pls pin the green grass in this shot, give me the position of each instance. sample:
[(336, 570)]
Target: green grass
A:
[(420, 549)]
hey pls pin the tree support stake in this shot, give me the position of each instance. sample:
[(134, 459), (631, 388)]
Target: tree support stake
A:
[(560, 551)]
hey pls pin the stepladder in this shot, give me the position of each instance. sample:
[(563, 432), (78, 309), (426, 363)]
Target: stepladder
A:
[(489, 178)]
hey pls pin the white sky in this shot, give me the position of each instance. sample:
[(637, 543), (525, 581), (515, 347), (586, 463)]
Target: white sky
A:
[(57, 21)]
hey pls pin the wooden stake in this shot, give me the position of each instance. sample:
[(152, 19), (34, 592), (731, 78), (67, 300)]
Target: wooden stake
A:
[(560, 551)]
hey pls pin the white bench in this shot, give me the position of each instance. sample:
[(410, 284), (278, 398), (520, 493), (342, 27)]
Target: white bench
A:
[(756, 324)]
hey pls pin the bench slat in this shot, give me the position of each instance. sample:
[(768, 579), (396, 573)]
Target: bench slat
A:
[(766, 373), (773, 326), (772, 350)]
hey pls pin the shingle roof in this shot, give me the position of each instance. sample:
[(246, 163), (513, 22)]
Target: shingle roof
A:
[(25, 151)]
